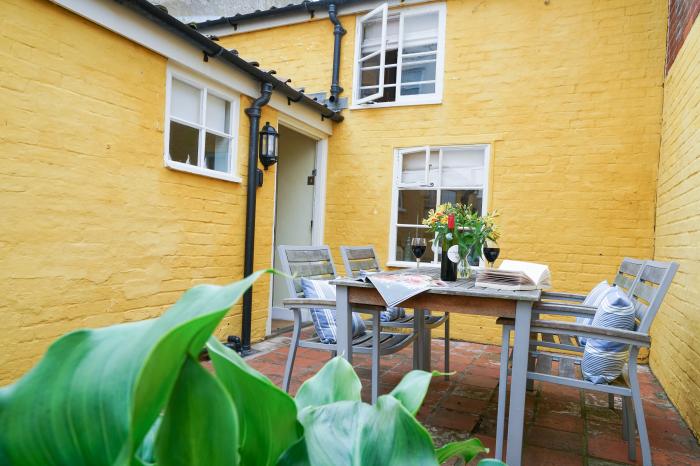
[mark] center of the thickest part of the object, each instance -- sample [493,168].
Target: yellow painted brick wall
[676,330]
[95,230]
[569,94]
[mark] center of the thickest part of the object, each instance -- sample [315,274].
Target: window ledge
[432,101]
[183,167]
[406,264]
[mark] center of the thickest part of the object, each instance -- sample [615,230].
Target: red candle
[451,221]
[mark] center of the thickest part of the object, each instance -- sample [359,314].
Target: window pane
[417,89]
[369,77]
[467,197]
[184,141]
[216,153]
[463,167]
[413,168]
[414,72]
[420,49]
[368,92]
[403,244]
[218,114]
[184,101]
[419,28]
[415,204]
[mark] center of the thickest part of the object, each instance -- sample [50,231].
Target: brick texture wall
[95,230]
[681,17]
[570,96]
[676,331]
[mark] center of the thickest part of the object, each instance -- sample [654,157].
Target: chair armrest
[308,303]
[576,310]
[589,331]
[558,296]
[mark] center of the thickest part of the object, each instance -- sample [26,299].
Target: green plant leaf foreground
[96,393]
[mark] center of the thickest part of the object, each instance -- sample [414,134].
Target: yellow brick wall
[570,96]
[95,230]
[676,330]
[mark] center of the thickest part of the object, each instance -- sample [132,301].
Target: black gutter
[211,50]
[253,113]
[306,6]
[338,33]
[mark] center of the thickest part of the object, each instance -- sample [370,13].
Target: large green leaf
[96,393]
[200,424]
[352,433]
[392,436]
[412,389]
[267,415]
[336,381]
[466,449]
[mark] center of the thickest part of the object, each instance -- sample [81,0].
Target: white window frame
[205,87]
[421,99]
[397,185]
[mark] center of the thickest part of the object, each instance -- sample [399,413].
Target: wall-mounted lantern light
[268,145]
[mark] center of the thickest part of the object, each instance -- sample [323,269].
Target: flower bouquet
[461,233]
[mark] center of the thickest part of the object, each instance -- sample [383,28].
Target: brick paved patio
[564,426]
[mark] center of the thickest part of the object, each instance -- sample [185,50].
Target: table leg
[427,344]
[418,342]
[516,412]
[343,318]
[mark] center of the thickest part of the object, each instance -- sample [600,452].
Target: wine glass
[491,251]
[418,246]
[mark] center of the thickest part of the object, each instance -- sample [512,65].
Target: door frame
[319,203]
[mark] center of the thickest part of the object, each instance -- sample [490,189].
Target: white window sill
[183,167]
[431,101]
[406,264]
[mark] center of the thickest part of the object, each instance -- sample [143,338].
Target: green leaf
[466,449]
[491,462]
[200,424]
[352,433]
[331,435]
[391,436]
[96,393]
[336,381]
[412,389]
[267,415]
[146,451]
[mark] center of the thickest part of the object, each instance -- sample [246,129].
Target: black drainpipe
[254,176]
[338,33]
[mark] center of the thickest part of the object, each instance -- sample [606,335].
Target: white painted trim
[382,10]
[319,204]
[393,220]
[272,22]
[406,264]
[139,29]
[206,86]
[421,99]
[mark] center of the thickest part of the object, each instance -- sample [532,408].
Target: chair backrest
[628,273]
[356,258]
[649,291]
[312,262]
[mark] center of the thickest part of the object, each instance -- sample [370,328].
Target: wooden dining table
[460,297]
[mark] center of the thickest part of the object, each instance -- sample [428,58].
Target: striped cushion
[595,296]
[324,319]
[603,360]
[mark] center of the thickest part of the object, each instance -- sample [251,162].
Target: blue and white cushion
[603,360]
[324,319]
[593,299]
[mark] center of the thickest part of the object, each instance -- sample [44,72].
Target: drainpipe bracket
[341,104]
[318,96]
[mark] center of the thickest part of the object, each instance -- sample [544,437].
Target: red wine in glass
[491,254]
[418,246]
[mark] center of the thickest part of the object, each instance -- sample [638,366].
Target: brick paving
[564,426]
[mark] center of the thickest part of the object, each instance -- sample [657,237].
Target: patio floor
[563,425]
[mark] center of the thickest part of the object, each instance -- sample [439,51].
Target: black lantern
[268,145]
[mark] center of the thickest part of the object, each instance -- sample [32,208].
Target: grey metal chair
[315,262]
[364,258]
[647,291]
